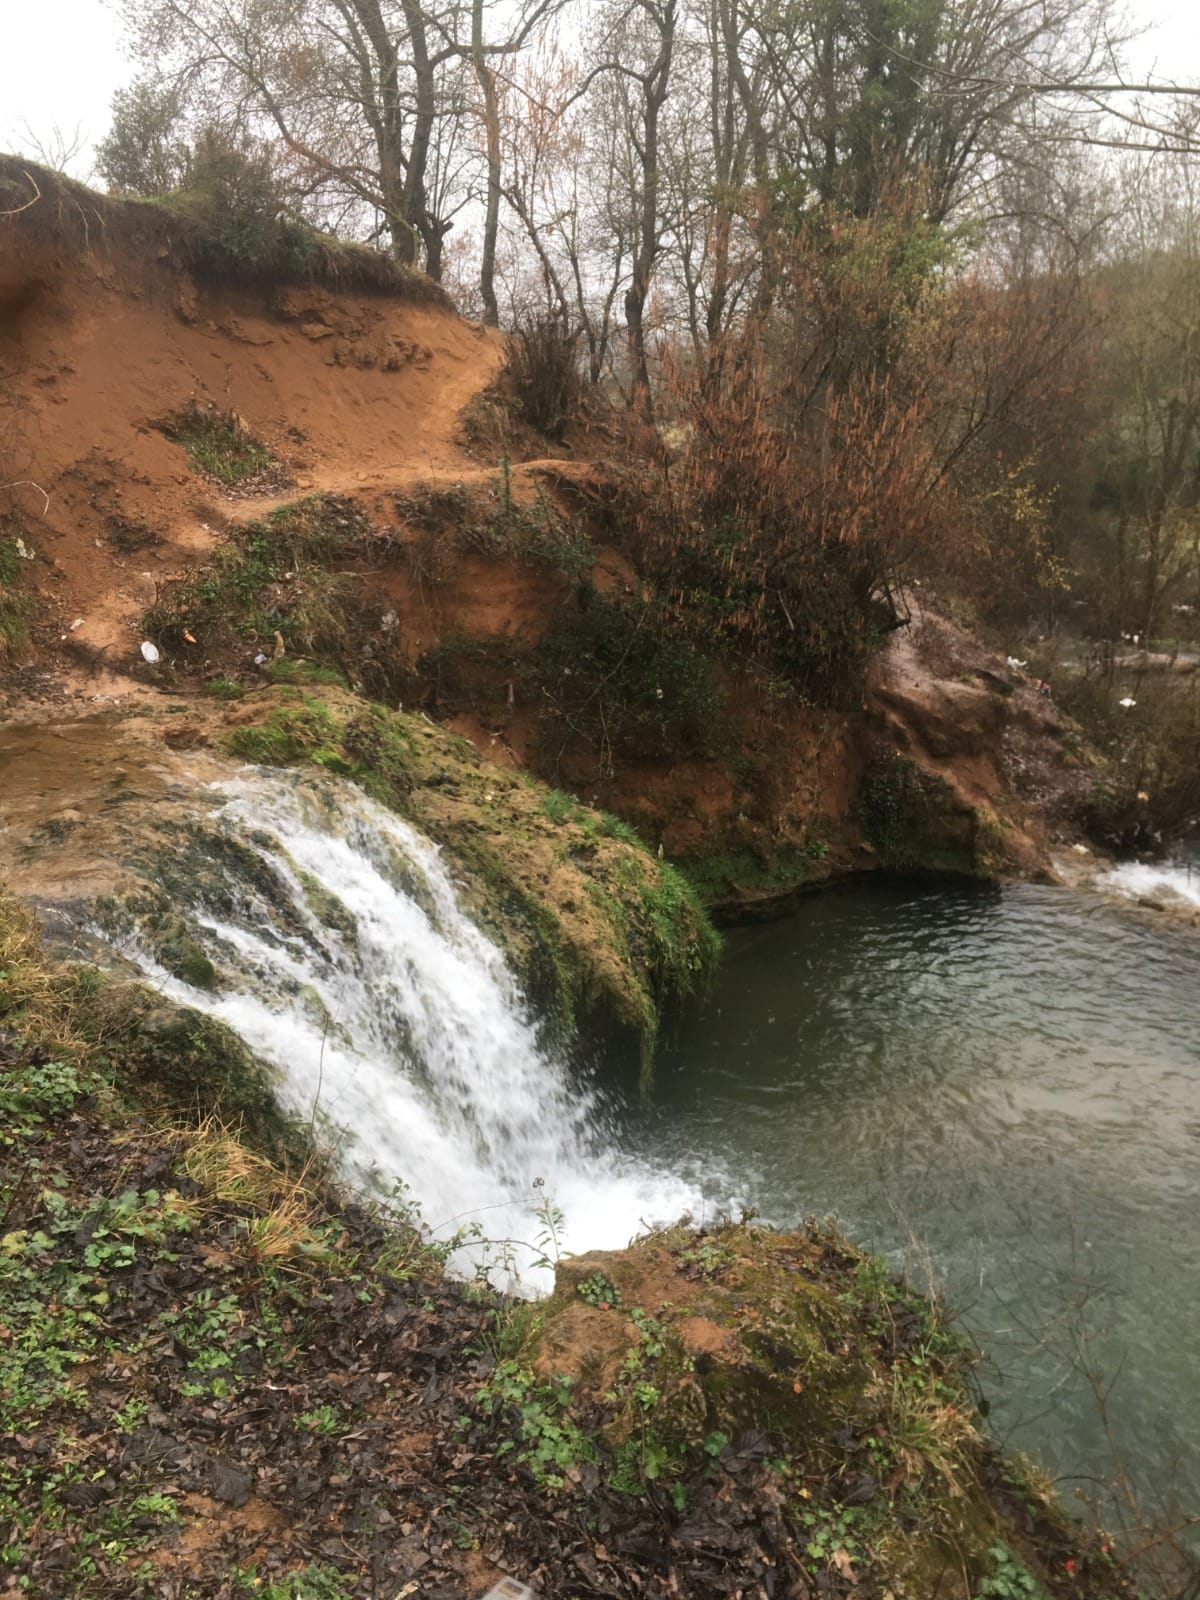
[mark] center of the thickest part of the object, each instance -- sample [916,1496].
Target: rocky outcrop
[1010,768]
[830,1391]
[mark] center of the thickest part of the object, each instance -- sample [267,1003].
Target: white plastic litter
[1128,703]
[510,1589]
[150,652]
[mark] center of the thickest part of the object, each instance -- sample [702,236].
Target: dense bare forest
[909,288]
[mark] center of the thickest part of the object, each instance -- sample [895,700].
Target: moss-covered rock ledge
[591,920]
[790,1415]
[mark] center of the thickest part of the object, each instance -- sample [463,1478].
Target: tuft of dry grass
[927,1432]
[217,1160]
[44,998]
[283,1225]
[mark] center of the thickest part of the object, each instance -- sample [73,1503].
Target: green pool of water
[1003,1084]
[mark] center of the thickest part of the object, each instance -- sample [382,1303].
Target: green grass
[218,443]
[14,607]
[284,575]
[224,689]
[556,806]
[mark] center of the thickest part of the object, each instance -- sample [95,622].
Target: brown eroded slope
[348,391]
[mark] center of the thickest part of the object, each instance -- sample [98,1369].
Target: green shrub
[233,192]
[808,615]
[618,675]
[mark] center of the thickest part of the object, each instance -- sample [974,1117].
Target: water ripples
[1010,1075]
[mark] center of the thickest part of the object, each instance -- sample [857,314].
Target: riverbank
[223,1380]
[218,481]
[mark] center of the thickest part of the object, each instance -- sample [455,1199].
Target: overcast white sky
[62,60]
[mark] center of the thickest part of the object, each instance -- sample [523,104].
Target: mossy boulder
[193,1065]
[591,920]
[798,1363]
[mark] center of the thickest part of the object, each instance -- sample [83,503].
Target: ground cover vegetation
[14,606]
[222,1379]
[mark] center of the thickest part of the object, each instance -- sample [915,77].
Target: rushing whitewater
[1147,880]
[396,1027]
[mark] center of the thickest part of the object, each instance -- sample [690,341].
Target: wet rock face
[82,800]
[114,825]
[987,734]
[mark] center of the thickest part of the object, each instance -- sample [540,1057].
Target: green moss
[195,968]
[14,607]
[725,876]
[913,822]
[589,917]
[328,909]
[190,1062]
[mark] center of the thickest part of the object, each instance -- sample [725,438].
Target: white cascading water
[407,1040]
[1148,880]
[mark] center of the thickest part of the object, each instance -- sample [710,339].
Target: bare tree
[352,90]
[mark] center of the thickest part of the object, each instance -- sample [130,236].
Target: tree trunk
[386,118]
[486,80]
[491,223]
[416,211]
[655,87]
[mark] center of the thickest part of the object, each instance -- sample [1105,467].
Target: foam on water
[1144,881]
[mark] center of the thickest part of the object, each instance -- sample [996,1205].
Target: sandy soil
[352,394]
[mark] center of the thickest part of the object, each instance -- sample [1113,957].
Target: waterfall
[347,963]
[1178,880]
